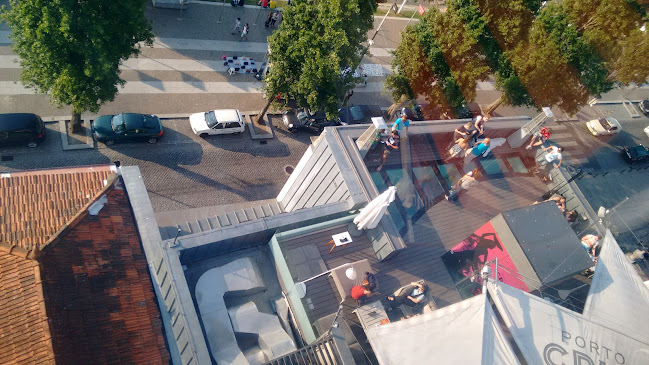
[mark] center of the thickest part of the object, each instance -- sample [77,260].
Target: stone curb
[249,120]
[90,142]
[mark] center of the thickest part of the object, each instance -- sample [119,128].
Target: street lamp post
[221,15]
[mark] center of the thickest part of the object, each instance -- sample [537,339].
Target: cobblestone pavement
[182,170]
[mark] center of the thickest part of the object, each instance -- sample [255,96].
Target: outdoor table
[371,314]
[339,239]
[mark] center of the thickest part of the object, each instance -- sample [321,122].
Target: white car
[604,126]
[646,131]
[224,121]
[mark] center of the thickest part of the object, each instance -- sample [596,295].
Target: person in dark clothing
[412,296]
[269,18]
[466,130]
[392,143]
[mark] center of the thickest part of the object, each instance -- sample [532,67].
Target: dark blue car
[127,127]
[635,154]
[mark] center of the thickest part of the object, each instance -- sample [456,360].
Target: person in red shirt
[360,291]
[540,137]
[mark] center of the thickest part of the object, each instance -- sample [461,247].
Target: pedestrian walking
[237,26]
[274,18]
[269,19]
[244,32]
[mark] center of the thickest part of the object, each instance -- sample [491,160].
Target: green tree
[549,79]
[615,29]
[513,92]
[579,53]
[412,63]
[441,42]
[529,68]
[72,49]
[314,42]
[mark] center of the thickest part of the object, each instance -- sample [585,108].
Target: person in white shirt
[237,26]
[552,154]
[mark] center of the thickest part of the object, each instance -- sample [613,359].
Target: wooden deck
[439,229]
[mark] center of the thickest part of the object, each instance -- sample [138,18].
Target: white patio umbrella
[372,213]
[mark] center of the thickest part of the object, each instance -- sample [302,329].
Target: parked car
[359,114]
[644,107]
[635,154]
[646,131]
[302,119]
[415,114]
[127,127]
[21,128]
[604,126]
[223,121]
[463,112]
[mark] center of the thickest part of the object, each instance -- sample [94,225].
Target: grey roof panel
[548,241]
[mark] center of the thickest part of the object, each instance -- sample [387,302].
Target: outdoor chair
[426,305]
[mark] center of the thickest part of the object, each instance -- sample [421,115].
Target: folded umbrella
[371,214]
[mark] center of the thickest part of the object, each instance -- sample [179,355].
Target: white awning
[618,298]
[463,333]
[547,333]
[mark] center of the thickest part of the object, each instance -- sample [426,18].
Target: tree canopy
[72,49]
[442,61]
[554,54]
[314,43]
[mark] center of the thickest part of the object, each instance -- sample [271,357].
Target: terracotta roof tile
[37,204]
[103,305]
[24,331]
[92,282]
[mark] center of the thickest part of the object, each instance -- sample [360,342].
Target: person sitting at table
[362,291]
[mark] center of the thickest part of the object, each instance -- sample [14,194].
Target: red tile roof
[24,331]
[99,293]
[37,204]
[95,303]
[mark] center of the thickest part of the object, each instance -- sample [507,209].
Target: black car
[302,119]
[21,128]
[127,127]
[635,154]
[463,112]
[359,114]
[644,107]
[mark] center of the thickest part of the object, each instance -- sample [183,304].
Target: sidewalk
[210,21]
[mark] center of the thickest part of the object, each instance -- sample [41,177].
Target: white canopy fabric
[618,298]
[547,333]
[371,214]
[463,333]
